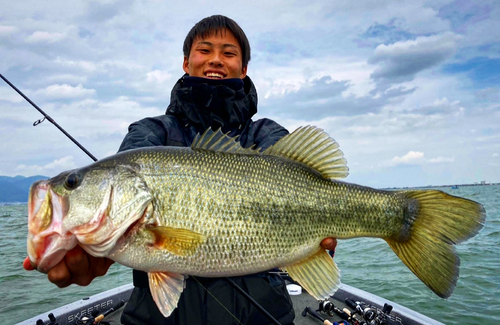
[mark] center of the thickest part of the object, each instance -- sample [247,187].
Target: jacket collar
[204,103]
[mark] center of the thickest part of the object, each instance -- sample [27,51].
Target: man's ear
[185,65]
[243,72]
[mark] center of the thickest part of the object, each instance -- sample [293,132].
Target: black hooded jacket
[197,104]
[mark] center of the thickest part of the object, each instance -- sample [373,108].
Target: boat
[348,304]
[454,187]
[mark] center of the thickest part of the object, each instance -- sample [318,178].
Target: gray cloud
[100,12]
[323,97]
[402,60]
[462,14]
[65,91]
[386,34]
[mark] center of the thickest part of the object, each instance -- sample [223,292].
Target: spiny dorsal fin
[314,148]
[218,141]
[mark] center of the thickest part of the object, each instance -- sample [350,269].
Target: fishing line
[220,303]
[47,117]
[255,303]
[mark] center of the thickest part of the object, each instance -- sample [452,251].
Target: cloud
[464,14]
[158,76]
[444,102]
[322,97]
[49,169]
[7,30]
[386,34]
[6,93]
[66,91]
[401,61]
[411,157]
[316,98]
[102,118]
[416,158]
[99,11]
[107,69]
[66,77]
[85,65]
[439,160]
[45,37]
[488,93]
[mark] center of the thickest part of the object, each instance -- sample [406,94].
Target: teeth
[214,75]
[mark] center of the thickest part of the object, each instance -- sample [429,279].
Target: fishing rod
[47,117]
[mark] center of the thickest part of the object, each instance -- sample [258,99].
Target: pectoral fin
[166,289]
[178,241]
[318,274]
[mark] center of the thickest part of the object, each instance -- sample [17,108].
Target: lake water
[366,263]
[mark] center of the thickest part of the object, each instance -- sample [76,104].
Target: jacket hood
[225,103]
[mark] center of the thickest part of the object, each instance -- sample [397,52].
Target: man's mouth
[214,75]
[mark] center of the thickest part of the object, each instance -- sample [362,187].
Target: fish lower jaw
[47,250]
[47,262]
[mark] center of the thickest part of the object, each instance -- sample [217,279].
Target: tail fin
[442,221]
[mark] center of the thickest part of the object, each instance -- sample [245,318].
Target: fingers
[78,268]
[329,243]
[100,265]
[74,268]
[59,275]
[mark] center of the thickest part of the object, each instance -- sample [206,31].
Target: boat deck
[104,301]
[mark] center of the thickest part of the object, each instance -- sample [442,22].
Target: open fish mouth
[47,240]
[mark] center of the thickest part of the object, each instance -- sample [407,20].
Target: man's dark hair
[215,24]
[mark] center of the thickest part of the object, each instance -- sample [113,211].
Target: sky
[409,89]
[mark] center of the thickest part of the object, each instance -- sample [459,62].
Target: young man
[215,92]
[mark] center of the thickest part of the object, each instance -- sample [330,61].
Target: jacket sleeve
[147,132]
[266,132]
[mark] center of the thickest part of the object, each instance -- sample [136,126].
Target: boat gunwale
[67,314]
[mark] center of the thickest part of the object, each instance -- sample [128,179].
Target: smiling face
[216,56]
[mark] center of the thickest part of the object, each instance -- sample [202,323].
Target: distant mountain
[16,189]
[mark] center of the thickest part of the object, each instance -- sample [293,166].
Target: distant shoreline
[13,203]
[434,186]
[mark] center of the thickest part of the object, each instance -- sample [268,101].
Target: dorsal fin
[314,148]
[308,145]
[218,141]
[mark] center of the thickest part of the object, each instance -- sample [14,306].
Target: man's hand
[329,243]
[77,267]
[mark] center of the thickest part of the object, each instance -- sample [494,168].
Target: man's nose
[216,59]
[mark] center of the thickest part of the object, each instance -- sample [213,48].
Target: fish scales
[256,211]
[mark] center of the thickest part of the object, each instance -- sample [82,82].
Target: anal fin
[318,274]
[166,289]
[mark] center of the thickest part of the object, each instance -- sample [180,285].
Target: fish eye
[72,181]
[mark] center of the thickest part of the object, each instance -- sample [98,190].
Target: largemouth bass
[217,209]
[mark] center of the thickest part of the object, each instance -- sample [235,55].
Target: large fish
[217,209]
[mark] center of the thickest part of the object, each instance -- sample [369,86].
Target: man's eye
[230,54]
[204,51]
